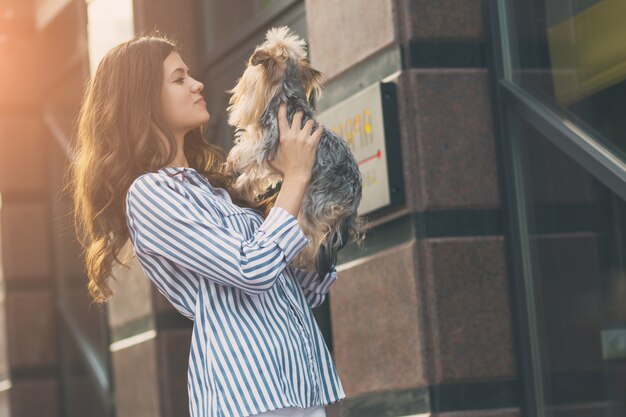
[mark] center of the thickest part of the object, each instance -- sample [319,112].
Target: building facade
[495,288]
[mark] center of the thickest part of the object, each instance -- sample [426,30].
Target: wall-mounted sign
[368,121]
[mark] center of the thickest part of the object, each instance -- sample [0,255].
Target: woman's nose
[198,87]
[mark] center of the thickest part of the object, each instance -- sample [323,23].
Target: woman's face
[183,107]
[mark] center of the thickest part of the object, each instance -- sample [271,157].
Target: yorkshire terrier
[278,72]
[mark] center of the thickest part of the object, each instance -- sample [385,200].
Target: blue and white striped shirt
[255,343]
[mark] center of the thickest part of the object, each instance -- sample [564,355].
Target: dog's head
[282,54]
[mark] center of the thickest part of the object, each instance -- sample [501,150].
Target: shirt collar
[187,173]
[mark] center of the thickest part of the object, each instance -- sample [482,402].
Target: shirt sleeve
[314,288]
[165,221]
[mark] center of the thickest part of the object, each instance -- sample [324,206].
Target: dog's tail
[349,229]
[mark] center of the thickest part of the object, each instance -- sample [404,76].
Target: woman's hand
[297,146]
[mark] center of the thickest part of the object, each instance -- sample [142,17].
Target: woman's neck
[180,160]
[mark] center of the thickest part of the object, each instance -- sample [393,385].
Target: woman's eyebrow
[183,70]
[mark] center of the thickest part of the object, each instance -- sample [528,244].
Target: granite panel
[135,371]
[31,329]
[25,238]
[342,34]
[376,321]
[21,146]
[23,65]
[467,289]
[455,20]
[132,291]
[456,154]
[45,391]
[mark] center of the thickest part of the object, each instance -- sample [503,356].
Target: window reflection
[577,238]
[573,53]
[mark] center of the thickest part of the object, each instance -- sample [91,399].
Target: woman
[143,171]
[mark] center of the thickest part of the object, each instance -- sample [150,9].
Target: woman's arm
[314,288]
[291,194]
[165,222]
[295,157]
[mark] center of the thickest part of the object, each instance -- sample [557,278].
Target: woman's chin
[204,118]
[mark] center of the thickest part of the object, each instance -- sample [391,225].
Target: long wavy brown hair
[117,140]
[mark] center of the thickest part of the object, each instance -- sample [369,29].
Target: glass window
[573,53]
[577,241]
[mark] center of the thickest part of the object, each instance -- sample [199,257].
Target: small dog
[278,72]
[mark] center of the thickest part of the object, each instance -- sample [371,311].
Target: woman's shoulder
[153,182]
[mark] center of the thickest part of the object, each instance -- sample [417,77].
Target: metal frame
[499,60]
[576,141]
[512,104]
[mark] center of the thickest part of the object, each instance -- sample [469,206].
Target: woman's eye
[180,80]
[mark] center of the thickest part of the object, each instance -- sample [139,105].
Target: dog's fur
[278,72]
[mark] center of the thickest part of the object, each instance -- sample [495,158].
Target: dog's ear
[312,79]
[261,57]
[268,61]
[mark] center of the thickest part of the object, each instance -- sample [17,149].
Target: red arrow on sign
[378,154]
